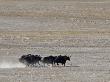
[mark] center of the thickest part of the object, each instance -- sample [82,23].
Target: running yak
[30,60]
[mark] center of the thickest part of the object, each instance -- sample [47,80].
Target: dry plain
[80,28]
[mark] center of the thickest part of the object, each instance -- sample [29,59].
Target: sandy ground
[87,65]
[80,28]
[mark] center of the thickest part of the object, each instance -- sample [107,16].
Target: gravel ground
[79,28]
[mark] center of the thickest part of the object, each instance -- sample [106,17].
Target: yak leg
[64,64]
[38,63]
[53,64]
[57,64]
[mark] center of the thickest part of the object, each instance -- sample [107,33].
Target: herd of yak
[33,60]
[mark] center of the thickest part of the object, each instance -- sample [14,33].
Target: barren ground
[80,28]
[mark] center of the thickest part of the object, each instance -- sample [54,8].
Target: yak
[49,60]
[61,59]
[30,60]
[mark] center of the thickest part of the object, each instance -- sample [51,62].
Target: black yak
[30,60]
[49,60]
[62,59]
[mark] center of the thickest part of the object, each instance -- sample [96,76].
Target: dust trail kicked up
[6,64]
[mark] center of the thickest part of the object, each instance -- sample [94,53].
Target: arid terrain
[77,28]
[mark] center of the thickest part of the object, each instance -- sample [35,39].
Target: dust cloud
[6,64]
